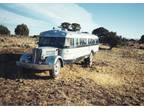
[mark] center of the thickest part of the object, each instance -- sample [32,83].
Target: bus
[57,48]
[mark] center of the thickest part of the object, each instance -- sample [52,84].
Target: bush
[107,37]
[124,41]
[132,53]
[4,30]
[141,46]
[101,31]
[112,39]
[141,39]
[22,30]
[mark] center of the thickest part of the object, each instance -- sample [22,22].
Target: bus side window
[67,43]
[93,42]
[71,42]
[97,41]
[81,42]
[89,41]
[77,42]
[85,42]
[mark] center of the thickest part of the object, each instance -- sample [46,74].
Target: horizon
[125,19]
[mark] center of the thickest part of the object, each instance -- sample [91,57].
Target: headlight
[25,58]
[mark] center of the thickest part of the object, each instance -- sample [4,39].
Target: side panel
[74,53]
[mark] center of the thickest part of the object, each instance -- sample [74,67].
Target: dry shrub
[17,42]
[132,53]
[2,40]
[129,53]
[141,46]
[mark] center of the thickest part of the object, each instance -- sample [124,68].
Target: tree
[4,30]
[22,29]
[101,32]
[65,25]
[112,39]
[141,39]
[107,37]
[124,41]
[75,27]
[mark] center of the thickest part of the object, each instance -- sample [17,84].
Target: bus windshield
[58,42]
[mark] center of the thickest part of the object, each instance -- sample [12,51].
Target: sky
[125,19]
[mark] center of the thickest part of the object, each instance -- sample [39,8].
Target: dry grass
[116,78]
[17,42]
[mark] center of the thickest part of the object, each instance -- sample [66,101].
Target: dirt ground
[116,78]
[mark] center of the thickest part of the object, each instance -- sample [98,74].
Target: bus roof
[62,33]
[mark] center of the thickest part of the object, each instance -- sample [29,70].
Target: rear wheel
[88,61]
[56,69]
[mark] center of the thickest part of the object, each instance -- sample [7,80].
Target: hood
[48,51]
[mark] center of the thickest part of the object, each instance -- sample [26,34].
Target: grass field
[116,78]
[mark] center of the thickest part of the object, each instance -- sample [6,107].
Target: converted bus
[57,48]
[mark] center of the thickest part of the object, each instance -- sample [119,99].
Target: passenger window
[77,42]
[97,41]
[83,42]
[69,42]
[91,41]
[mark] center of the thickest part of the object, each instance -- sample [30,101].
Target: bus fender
[51,60]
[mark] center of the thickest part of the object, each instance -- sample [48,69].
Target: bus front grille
[37,55]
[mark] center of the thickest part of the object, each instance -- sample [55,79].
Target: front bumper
[34,66]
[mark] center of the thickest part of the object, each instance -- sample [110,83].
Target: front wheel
[56,69]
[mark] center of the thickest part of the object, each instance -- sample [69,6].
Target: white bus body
[56,47]
[74,52]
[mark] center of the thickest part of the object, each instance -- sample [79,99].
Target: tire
[20,72]
[23,70]
[88,61]
[56,69]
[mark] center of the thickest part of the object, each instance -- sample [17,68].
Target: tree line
[105,36]
[21,29]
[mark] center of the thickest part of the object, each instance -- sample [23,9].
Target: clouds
[40,17]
